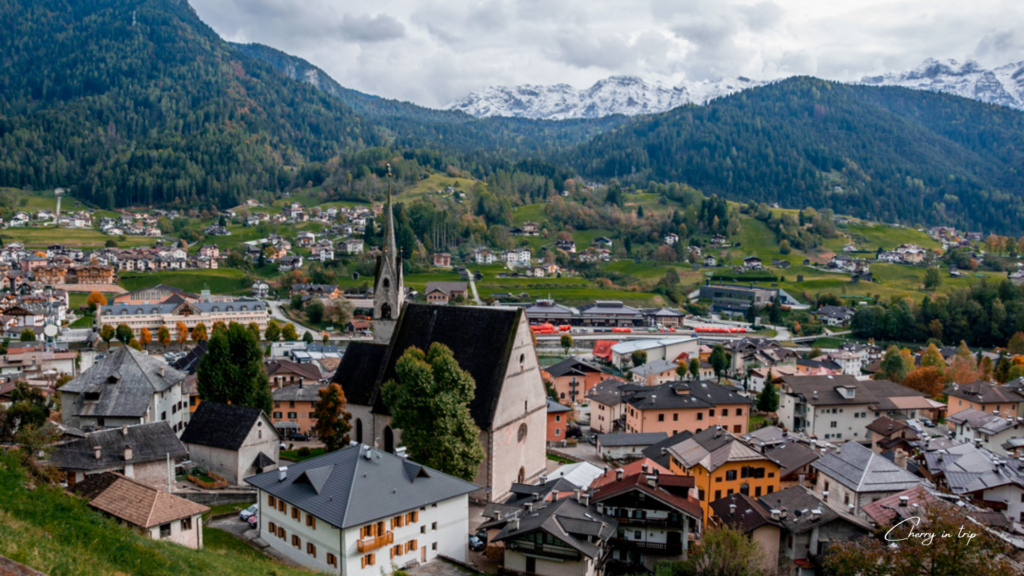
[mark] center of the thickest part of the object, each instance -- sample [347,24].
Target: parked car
[927,422]
[476,544]
[300,437]
[253,521]
[482,535]
[249,512]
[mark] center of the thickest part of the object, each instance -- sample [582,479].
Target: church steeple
[389,290]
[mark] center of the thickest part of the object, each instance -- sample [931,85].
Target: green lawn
[77,237]
[60,535]
[436,182]
[827,342]
[887,237]
[219,281]
[225,508]
[531,213]
[83,322]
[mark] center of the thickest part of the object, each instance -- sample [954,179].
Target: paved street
[274,307]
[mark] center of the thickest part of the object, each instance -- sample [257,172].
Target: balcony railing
[373,542]
[543,550]
[670,522]
[643,546]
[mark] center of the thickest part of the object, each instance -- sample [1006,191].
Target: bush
[305,451]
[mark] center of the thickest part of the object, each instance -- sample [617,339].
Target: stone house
[138,452]
[232,441]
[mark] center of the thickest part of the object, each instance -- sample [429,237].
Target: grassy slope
[220,281]
[60,536]
[87,239]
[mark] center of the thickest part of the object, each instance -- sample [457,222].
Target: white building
[362,511]
[125,388]
[853,476]
[232,441]
[989,431]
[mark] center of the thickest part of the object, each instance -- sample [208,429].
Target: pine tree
[231,370]
[768,399]
[429,401]
[718,360]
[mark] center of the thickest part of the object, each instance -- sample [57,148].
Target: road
[274,306]
[472,287]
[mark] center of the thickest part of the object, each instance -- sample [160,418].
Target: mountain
[632,96]
[139,102]
[885,153]
[1003,85]
[627,95]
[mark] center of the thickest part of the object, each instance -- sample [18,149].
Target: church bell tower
[388,289]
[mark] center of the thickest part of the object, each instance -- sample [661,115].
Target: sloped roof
[865,391]
[638,439]
[634,467]
[309,371]
[480,338]
[800,505]
[885,510]
[862,470]
[125,380]
[222,426]
[747,516]
[134,502]
[713,447]
[640,482]
[658,452]
[612,392]
[581,474]
[346,489]
[357,372]
[554,407]
[298,393]
[791,456]
[567,520]
[571,366]
[984,392]
[149,442]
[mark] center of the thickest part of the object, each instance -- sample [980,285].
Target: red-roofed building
[642,466]
[899,506]
[603,349]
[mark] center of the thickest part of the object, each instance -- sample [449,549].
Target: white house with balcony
[362,511]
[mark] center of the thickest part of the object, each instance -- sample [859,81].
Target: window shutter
[414,545]
[373,559]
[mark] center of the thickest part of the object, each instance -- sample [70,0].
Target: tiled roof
[742,512]
[884,510]
[791,456]
[149,442]
[571,366]
[135,502]
[640,439]
[554,407]
[280,367]
[984,392]
[125,380]
[862,470]
[865,391]
[346,489]
[658,452]
[642,483]
[567,520]
[222,426]
[298,393]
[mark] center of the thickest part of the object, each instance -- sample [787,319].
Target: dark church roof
[481,340]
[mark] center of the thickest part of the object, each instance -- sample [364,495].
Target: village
[611,437]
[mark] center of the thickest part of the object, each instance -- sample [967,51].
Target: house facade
[232,441]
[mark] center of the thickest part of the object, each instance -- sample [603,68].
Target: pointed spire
[390,247]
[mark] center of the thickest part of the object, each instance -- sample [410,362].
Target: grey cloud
[366,28]
[585,49]
[1003,43]
[762,16]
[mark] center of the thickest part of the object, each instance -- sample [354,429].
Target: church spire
[390,246]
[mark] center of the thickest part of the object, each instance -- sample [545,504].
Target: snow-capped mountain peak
[631,95]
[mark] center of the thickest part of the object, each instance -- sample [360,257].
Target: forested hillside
[139,102]
[886,153]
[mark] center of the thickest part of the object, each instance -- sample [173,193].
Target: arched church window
[385,310]
[522,432]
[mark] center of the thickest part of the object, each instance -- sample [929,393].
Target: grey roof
[658,452]
[686,394]
[654,367]
[766,435]
[641,439]
[799,504]
[262,461]
[713,447]
[556,407]
[791,456]
[862,470]
[345,489]
[571,365]
[202,307]
[567,520]
[612,392]
[865,391]
[446,287]
[189,363]
[984,392]
[149,442]
[297,393]
[222,426]
[125,380]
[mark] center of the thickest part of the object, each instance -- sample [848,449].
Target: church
[493,344]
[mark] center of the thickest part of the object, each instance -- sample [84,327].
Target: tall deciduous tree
[429,402]
[768,399]
[892,367]
[639,357]
[333,423]
[124,334]
[199,333]
[96,299]
[722,552]
[231,370]
[107,334]
[1016,344]
[145,337]
[932,358]
[182,335]
[163,335]
[926,379]
[695,368]
[566,342]
[273,331]
[289,333]
[718,360]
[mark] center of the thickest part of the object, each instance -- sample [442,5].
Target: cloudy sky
[434,51]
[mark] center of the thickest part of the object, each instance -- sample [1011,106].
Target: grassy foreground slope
[59,535]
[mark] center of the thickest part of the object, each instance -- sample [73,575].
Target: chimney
[839,449]
[528,507]
[513,524]
[536,496]
[282,473]
[543,479]
[904,501]
[732,509]
[802,477]
[127,453]
[901,459]
[96,452]
[643,468]
[824,495]
[600,508]
[782,512]
[554,496]
[652,481]
[815,514]
[776,514]
[618,473]
[162,370]
[586,495]
[124,430]
[578,499]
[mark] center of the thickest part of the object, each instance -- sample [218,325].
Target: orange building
[572,378]
[283,373]
[558,419]
[293,409]
[690,405]
[721,465]
[983,396]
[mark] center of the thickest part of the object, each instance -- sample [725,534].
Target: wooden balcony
[373,542]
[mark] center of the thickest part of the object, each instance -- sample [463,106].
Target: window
[423,529]
[433,526]
[311,521]
[711,413]
[736,428]
[661,417]
[434,545]
[277,414]
[296,541]
[165,530]
[311,549]
[558,431]
[522,432]
[293,414]
[771,489]
[675,418]
[739,411]
[637,535]
[718,494]
[186,524]
[730,475]
[833,424]
[281,506]
[368,560]
[296,515]
[332,560]
[272,527]
[412,517]
[558,417]
[281,533]
[757,491]
[700,415]
[271,501]
[396,550]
